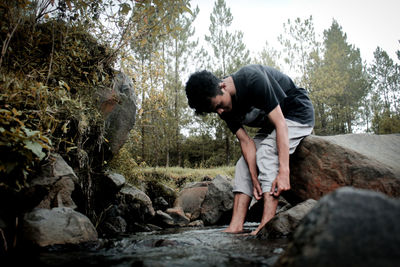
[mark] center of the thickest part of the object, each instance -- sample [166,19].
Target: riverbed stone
[57,226]
[135,206]
[218,202]
[197,223]
[114,180]
[190,199]
[58,179]
[159,203]
[285,222]
[163,219]
[349,227]
[114,226]
[177,213]
[155,189]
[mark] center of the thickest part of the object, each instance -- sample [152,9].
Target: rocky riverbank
[319,167]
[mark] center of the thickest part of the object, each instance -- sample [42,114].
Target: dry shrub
[48,75]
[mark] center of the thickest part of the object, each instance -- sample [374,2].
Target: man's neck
[230,85]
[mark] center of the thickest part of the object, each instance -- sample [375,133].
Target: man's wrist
[284,170]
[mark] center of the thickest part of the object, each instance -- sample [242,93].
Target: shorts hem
[241,191]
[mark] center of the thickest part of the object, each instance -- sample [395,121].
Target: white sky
[367,23]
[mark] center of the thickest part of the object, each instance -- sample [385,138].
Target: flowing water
[205,246]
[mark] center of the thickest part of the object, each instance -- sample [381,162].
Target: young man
[256,96]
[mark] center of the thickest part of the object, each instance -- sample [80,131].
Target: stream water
[205,246]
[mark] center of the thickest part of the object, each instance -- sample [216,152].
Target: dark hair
[200,88]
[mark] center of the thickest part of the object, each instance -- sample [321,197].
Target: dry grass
[176,177]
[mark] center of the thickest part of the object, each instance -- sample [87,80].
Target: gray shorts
[267,158]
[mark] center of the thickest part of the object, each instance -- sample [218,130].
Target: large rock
[349,227]
[323,164]
[118,106]
[218,202]
[383,148]
[58,226]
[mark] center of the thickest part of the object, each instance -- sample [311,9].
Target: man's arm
[282,180]
[249,154]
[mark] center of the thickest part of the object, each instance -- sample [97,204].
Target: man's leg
[270,205]
[240,205]
[243,190]
[268,165]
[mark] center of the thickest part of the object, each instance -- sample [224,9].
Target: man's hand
[257,192]
[280,184]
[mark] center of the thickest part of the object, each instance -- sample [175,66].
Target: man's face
[222,103]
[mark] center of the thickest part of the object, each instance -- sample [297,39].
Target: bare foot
[255,232]
[232,230]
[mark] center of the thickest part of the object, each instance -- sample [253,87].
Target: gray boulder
[57,226]
[349,227]
[218,202]
[114,226]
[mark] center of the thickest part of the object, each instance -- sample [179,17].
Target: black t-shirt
[259,89]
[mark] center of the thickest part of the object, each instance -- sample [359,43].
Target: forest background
[154,43]
[348,94]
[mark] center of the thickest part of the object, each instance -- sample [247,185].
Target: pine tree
[300,47]
[178,49]
[385,76]
[146,62]
[268,57]
[230,54]
[343,81]
[229,50]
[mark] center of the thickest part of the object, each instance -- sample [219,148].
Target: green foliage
[343,79]
[21,148]
[386,123]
